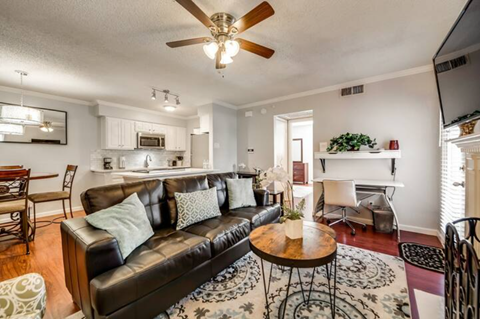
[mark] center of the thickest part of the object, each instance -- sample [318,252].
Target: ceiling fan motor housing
[223,21]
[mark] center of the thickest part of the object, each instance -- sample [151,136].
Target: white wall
[224,138]
[82,139]
[406,109]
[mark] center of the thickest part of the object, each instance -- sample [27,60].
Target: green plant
[350,142]
[293,214]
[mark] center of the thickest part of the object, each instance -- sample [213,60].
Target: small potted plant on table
[350,142]
[293,219]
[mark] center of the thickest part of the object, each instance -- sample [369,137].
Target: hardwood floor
[46,259]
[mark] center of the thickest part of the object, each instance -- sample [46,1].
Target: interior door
[199,149]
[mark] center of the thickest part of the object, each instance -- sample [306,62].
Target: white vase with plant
[293,219]
[292,215]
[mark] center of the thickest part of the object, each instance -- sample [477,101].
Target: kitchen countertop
[154,174]
[153,168]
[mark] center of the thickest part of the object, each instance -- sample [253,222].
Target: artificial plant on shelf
[350,142]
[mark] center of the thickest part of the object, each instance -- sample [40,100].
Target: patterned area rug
[427,257]
[369,285]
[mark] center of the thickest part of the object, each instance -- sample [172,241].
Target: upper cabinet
[205,123]
[117,134]
[150,128]
[176,139]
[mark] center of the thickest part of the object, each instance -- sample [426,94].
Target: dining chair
[342,193]
[11,167]
[14,201]
[63,195]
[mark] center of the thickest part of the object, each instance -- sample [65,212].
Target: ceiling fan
[223,45]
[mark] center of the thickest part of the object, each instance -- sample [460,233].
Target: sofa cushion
[240,193]
[151,194]
[220,182]
[127,222]
[167,255]
[182,185]
[195,207]
[223,232]
[258,216]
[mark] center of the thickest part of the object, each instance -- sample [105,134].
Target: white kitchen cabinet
[150,128]
[117,134]
[176,138]
[205,123]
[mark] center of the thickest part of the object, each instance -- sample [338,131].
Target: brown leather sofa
[167,267]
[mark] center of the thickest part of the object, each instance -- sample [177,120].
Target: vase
[294,228]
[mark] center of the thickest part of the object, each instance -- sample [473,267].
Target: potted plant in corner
[293,219]
[350,142]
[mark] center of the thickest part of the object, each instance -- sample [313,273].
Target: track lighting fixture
[168,106]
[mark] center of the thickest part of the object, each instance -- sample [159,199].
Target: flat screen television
[457,68]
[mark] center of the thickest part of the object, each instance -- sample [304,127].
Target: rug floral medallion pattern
[369,285]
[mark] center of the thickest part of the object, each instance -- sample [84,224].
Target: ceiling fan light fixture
[226,59]
[232,47]
[169,108]
[211,49]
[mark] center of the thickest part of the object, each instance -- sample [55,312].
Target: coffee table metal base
[330,269]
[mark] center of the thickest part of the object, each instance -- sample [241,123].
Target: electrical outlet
[251,151]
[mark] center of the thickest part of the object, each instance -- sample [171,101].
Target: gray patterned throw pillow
[196,207]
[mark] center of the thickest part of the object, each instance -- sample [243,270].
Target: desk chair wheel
[328,221]
[353,232]
[364,227]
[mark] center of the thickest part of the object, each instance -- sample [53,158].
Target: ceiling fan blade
[256,48]
[218,65]
[182,43]
[263,11]
[191,7]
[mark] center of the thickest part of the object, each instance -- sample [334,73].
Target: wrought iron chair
[63,195]
[14,201]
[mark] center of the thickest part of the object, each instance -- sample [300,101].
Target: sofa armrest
[262,197]
[87,253]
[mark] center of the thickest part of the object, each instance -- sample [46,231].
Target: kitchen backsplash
[135,159]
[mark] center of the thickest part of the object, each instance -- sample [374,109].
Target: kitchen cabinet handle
[456,184]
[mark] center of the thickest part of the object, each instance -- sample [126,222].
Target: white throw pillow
[240,193]
[197,206]
[127,222]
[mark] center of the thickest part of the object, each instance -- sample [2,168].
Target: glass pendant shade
[169,108]
[11,129]
[226,59]
[211,49]
[16,114]
[232,47]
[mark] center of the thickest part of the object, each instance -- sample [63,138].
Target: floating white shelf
[384,154]
[359,155]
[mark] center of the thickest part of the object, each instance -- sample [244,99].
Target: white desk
[373,187]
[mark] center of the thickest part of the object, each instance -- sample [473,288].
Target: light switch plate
[249,114]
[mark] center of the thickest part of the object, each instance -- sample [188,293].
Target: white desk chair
[342,194]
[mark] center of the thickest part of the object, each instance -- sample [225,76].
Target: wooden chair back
[69,177]
[14,185]
[5,167]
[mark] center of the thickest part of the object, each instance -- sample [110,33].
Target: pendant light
[19,114]
[11,129]
[232,48]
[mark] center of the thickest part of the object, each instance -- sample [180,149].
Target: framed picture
[297,150]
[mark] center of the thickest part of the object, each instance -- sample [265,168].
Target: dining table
[38,176]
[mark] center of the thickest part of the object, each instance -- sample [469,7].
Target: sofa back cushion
[182,185]
[220,182]
[151,193]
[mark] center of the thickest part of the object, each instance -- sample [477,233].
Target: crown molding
[373,79]
[46,96]
[139,109]
[225,104]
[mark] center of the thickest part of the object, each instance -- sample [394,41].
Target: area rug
[369,285]
[429,305]
[427,257]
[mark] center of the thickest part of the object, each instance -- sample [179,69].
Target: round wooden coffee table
[317,248]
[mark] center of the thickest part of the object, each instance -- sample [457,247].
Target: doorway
[293,148]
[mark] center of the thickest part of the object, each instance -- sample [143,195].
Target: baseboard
[413,229]
[6,218]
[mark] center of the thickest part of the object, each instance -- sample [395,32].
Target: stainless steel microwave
[150,141]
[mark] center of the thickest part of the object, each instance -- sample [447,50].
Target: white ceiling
[114,50]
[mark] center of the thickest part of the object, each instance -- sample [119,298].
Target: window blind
[452,198]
